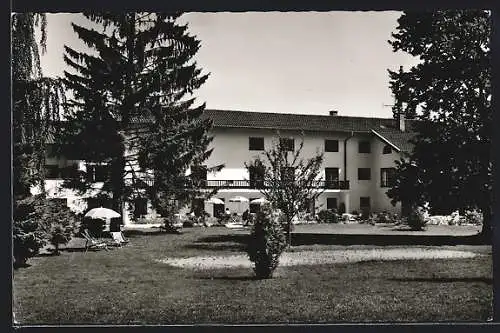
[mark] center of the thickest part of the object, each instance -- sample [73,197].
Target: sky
[285,62]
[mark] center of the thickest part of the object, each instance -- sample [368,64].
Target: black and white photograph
[240,168]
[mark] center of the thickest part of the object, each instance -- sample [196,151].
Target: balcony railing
[246,184]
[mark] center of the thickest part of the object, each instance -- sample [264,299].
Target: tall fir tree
[133,106]
[449,92]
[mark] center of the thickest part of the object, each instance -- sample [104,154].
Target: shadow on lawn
[346,239]
[234,242]
[445,280]
[229,278]
[239,241]
[217,247]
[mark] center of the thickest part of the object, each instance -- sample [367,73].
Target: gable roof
[397,139]
[385,128]
[288,121]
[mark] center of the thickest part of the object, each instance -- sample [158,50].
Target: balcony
[246,184]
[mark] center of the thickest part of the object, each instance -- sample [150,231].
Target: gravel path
[319,257]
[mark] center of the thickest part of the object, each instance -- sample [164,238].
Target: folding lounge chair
[124,240]
[92,243]
[118,238]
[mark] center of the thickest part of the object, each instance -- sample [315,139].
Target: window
[52,172]
[331,177]
[364,147]
[255,143]
[331,203]
[287,143]
[387,149]
[98,202]
[364,202]
[140,207]
[331,145]
[387,176]
[70,172]
[364,174]
[97,173]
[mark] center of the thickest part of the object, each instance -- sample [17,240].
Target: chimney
[402,122]
[334,112]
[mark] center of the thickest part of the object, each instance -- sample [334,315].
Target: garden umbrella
[215,201]
[102,213]
[240,201]
[259,201]
[238,198]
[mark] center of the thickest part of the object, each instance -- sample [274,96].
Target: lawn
[128,286]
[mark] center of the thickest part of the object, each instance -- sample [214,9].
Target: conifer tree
[133,106]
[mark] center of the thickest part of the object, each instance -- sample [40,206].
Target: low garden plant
[416,220]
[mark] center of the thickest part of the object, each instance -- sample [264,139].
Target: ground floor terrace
[235,195]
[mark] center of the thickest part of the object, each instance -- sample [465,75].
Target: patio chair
[92,243]
[118,238]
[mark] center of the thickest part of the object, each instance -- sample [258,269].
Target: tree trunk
[56,249]
[117,180]
[289,235]
[406,209]
[486,231]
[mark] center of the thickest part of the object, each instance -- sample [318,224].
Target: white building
[359,156]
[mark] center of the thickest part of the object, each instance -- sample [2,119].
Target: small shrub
[328,216]
[365,213]
[416,219]
[188,224]
[267,242]
[383,217]
[474,217]
[28,233]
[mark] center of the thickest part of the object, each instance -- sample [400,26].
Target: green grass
[126,286]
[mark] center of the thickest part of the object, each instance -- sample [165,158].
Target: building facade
[357,171]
